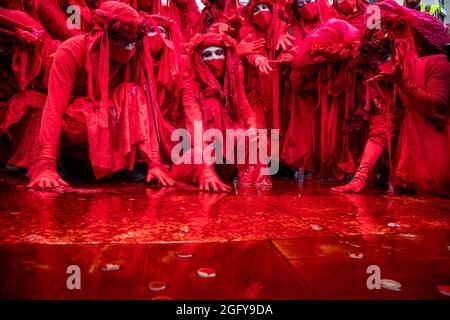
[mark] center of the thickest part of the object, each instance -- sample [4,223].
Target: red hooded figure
[301,148]
[93,113]
[165,43]
[352,11]
[26,55]
[225,11]
[186,14]
[261,70]
[327,52]
[213,96]
[408,101]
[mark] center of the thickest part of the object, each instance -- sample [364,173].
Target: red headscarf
[190,13]
[324,13]
[170,59]
[229,93]
[356,18]
[405,22]
[111,18]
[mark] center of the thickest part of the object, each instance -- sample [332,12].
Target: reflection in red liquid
[261,242]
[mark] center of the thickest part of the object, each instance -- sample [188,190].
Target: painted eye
[219,52]
[206,54]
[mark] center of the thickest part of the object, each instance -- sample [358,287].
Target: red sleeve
[433,100]
[243,33]
[246,110]
[67,62]
[54,20]
[191,105]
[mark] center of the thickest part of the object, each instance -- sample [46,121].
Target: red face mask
[347,6]
[217,67]
[156,45]
[155,41]
[214,58]
[121,54]
[309,11]
[262,19]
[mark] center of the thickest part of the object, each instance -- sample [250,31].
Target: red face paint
[309,11]
[347,6]
[262,19]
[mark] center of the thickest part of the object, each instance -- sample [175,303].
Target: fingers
[166,181]
[223,187]
[214,186]
[260,41]
[376,78]
[32,184]
[291,38]
[150,177]
[62,182]
[279,44]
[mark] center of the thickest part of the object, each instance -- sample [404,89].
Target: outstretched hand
[159,174]
[209,181]
[248,47]
[262,63]
[47,180]
[285,41]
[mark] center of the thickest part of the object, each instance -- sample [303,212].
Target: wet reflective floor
[292,241]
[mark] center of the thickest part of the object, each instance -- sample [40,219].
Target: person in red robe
[301,143]
[186,14]
[225,11]
[261,22]
[352,11]
[213,95]
[95,112]
[409,102]
[166,46]
[326,53]
[26,56]
[55,15]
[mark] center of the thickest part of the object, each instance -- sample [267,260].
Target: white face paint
[130,46]
[154,33]
[301,3]
[213,53]
[261,7]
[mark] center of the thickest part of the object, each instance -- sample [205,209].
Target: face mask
[122,54]
[347,6]
[262,16]
[156,43]
[214,58]
[307,9]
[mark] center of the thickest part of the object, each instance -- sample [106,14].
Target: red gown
[421,155]
[113,133]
